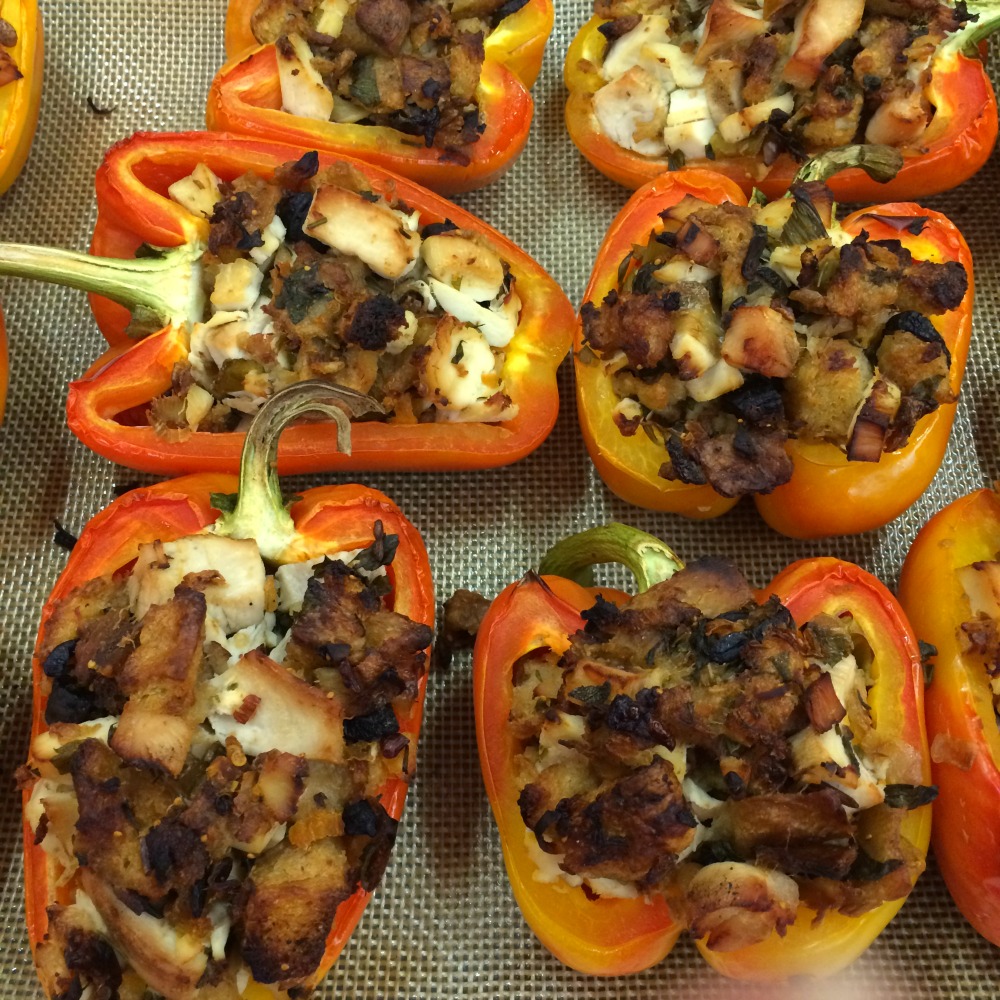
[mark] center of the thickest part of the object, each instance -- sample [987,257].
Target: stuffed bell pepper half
[20,84]
[285,265]
[437,92]
[225,721]
[767,349]
[753,88]
[950,588]
[749,766]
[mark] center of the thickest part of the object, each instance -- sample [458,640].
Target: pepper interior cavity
[695,744]
[725,79]
[734,329]
[312,275]
[219,732]
[413,67]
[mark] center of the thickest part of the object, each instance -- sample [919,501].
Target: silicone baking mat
[444,923]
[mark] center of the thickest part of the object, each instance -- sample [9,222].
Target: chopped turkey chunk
[235,594]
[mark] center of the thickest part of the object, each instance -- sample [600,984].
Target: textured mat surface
[444,923]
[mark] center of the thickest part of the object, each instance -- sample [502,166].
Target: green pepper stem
[881,163]
[649,560]
[968,37]
[159,290]
[260,510]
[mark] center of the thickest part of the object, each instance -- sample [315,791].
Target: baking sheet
[444,923]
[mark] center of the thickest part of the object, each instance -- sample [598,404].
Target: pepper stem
[649,560]
[160,290]
[966,40]
[260,510]
[881,163]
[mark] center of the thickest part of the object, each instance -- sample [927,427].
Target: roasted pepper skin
[341,516]
[618,936]
[245,97]
[21,99]
[960,704]
[827,494]
[133,208]
[957,143]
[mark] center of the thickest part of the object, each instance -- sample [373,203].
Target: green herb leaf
[804,224]
[300,291]
[225,502]
[909,796]
[927,654]
[592,694]
[364,86]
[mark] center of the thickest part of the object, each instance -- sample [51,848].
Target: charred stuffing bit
[463,614]
[8,34]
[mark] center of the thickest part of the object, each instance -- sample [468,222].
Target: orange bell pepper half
[827,494]
[615,936]
[961,721]
[21,94]
[133,208]
[245,97]
[321,520]
[956,144]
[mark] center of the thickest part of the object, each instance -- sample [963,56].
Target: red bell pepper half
[959,544]
[828,494]
[106,407]
[601,934]
[326,520]
[245,97]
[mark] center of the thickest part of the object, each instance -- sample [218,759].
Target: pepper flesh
[956,144]
[133,209]
[827,494]
[322,520]
[960,710]
[245,98]
[20,99]
[606,936]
